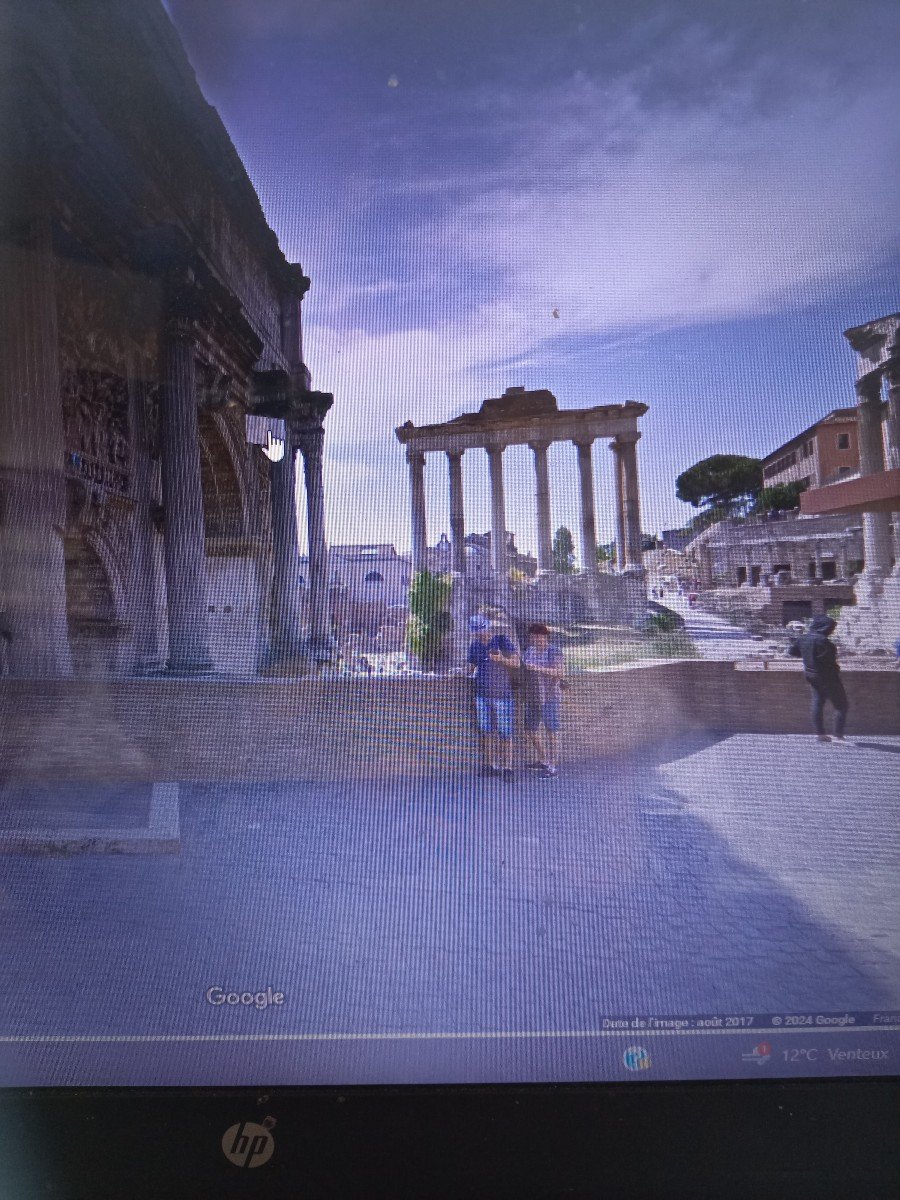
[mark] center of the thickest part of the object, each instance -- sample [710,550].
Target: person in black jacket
[6,637]
[820,666]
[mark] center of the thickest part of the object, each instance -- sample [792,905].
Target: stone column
[311,443]
[876,525]
[416,460]
[588,518]
[32,450]
[621,549]
[184,538]
[632,501]
[142,582]
[498,510]
[892,443]
[286,641]
[892,447]
[542,496]
[457,511]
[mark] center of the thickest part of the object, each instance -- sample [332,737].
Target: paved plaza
[732,875]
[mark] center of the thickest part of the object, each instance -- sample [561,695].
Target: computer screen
[449,576]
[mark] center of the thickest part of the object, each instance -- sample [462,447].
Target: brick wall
[350,731]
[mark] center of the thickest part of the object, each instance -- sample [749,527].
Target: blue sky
[706,193]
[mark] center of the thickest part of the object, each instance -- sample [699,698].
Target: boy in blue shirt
[544,670]
[492,657]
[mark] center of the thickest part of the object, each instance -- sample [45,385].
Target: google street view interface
[449,586]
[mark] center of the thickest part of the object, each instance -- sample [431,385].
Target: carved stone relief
[95,421]
[101,343]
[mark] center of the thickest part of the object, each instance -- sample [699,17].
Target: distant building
[439,558]
[825,452]
[780,568]
[479,557]
[676,539]
[796,565]
[763,550]
[665,567]
[368,573]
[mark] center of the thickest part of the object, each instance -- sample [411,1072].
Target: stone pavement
[714,637]
[64,818]
[742,874]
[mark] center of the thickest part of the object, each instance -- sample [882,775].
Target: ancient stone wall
[355,731]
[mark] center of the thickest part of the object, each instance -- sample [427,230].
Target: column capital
[285,396]
[868,388]
[540,445]
[309,442]
[415,458]
[453,454]
[180,327]
[892,371]
[586,440]
[625,439]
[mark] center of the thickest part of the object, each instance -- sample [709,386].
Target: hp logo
[248,1145]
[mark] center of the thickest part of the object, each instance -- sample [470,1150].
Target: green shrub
[430,620]
[662,623]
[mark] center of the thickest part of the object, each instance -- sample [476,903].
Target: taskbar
[627,1047]
[781,1044]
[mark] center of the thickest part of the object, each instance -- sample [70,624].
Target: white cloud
[700,218]
[622,217]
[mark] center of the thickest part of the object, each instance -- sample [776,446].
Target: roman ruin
[534,419]
[151,340]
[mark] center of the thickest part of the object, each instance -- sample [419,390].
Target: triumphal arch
[534,419]
[151,340]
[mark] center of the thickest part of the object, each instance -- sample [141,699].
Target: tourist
[6,637]
[544,669]
[492,656]
[820,666]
